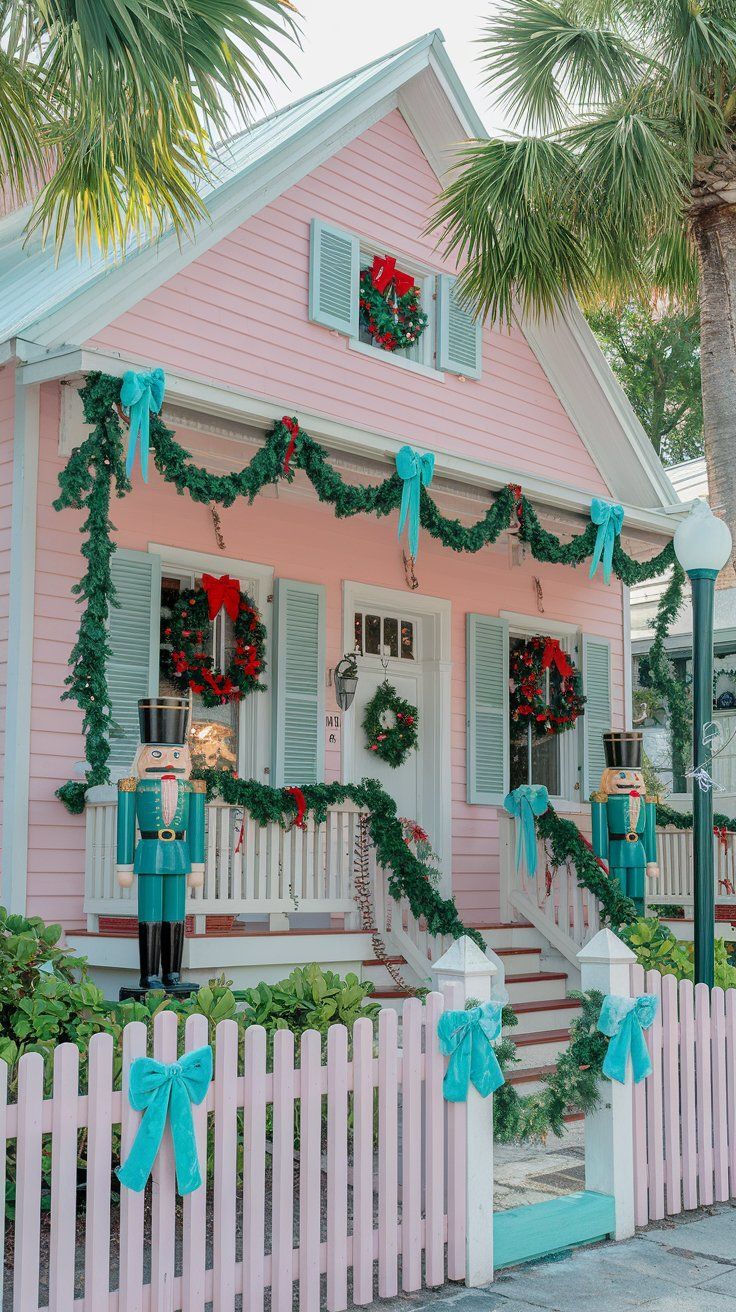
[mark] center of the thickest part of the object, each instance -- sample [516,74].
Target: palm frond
[20,126]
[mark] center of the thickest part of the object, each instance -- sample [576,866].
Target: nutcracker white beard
[169,797]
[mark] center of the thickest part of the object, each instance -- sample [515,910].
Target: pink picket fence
[685,1112]
[366,1205]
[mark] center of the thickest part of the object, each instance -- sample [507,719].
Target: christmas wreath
[527,670]
[390,725]
[389,305]
[188,632]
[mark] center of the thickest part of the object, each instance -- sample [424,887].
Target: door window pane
[390,637]
[407,640]
[373,635]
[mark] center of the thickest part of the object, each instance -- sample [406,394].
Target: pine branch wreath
[392,741]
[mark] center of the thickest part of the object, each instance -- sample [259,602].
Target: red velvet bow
[721,834]
[293,427]
[301,805]
[222,592]
[554,655]
[384,272]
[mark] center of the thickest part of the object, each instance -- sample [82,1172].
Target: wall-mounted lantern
[346,680]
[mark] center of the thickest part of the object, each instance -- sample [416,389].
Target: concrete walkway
[687,1265]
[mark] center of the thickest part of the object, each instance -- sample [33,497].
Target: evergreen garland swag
[189,662]
[391,741]
[97,468]
[393,321]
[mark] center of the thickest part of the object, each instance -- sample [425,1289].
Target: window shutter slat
[334,276]
[299,681]
[597,717]
[459,335]
[488,708]
[133,629]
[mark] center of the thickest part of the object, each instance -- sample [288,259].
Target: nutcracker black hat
[164,720]
[623,749]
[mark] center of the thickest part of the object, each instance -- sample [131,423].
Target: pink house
[256,317]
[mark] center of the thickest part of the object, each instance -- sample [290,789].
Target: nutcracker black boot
[149,947]
[172,949]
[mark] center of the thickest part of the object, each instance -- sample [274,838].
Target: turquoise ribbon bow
[524,803]
[609,518]
[140,396]
[415,468]
[466,1037]
[161,1091]
[624,1021]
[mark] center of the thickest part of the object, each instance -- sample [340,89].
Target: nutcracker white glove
[195,878]
[124,876]
[652,870]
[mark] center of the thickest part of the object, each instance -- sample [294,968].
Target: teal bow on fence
[466,1037]
[160,1091]
[415,468]
[140,396]
[609,518]
[524,803]
[624,1021]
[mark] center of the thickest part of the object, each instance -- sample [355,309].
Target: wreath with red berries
[393,319]
[189,632]
[528,666]
[391,725]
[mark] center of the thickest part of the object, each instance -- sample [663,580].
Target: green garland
[408,876]
[661,675]
[666,815]
[566,843]
[391,742]
[87,481]
[574,1082]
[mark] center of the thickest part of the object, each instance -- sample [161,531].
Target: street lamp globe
[702,541]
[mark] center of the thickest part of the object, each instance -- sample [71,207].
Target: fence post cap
[605,946]
[464,957]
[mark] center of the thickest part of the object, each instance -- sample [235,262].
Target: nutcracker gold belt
[165,835]
[633,837]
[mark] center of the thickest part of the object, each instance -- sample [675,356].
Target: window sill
[412,365]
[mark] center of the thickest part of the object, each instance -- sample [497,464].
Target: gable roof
[53,306]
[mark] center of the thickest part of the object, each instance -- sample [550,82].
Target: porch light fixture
[703,545]
[346,680]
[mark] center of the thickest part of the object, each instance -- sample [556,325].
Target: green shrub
[657,948]
[308,999]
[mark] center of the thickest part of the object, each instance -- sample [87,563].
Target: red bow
[554,655]
[222,592]
[293,427]
[721,834]
[301,805]
[384,272]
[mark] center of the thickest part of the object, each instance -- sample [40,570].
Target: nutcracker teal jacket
[611,824]
[140,799]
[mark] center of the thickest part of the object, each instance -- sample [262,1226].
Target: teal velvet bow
[609,518]
[415,468]
[524,803]
[160,1091]
[141,395]
[624,1021]
[466,1037]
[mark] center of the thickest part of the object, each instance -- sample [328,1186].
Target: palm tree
[109,108]
[624,179]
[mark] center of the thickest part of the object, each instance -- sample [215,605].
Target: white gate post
[464,964]
[605,965]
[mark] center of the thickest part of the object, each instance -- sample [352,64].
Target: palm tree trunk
[714,230]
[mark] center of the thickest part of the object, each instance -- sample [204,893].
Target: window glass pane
[358,641]
[390,637]
[519,754]
[407,640]
[373,635]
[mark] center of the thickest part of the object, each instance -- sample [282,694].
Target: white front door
[409,636]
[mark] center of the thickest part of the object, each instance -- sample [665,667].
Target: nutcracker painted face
[618,782]
[157,759]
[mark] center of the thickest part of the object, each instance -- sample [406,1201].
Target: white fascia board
[223,401]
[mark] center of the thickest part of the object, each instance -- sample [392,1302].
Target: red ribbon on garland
[301,805]
[721,834]
[222,592]
[293,427]
[384,272]
[554,655]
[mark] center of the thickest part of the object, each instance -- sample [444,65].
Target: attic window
[396,302]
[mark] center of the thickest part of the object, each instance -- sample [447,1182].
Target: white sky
[338,37]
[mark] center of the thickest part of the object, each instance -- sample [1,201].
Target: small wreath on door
[391,725]
[189,632]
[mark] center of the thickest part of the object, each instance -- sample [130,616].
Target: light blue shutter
[299,681]
[334,277]
[597,717]
[459,335]
[488,708]
[133,627]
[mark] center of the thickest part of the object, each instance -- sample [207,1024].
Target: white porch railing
[675,883]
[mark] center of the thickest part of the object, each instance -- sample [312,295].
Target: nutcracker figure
[169,810]
[624,821]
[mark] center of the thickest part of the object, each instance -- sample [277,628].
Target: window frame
[427,279]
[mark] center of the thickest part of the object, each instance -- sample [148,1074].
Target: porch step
[539,1048]
[516,935]
[523,960]
[552,1014]
[536,986]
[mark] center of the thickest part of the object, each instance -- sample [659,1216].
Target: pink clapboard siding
[301,539]
[685,1111]
[391,1094]
[7,406]
[238,315]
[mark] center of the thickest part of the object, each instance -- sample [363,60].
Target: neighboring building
[689,481]
[251,322]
